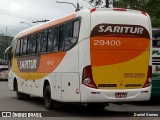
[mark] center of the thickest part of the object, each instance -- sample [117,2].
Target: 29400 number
[107,42]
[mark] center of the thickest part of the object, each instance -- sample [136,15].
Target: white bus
[92,56]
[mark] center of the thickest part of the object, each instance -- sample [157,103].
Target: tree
[152,7]
[100,3]
[4,44]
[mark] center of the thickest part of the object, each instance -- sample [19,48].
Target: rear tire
[48,102]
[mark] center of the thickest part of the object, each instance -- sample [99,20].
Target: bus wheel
[96,106]
[47,98]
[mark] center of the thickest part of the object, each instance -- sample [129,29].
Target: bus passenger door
[70,87]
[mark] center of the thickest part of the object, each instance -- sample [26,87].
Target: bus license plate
[120,95]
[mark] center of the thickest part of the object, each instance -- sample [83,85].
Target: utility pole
[77,8]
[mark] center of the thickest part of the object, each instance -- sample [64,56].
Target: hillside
[4,43]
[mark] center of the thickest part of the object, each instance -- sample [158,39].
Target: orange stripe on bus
[111,57]
[49,62]
[47,25]
[123,43]
[129,48]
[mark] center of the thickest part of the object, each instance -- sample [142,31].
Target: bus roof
[45,25]
[51,23]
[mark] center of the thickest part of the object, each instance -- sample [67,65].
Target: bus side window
[21,49]
[18,47]
[69,30]
[44,42]
[14,46]
[24,46]
[71,34]
[38,43]
[50,40]
[33,44]
[61,38]
[76,25]
[68,34]
[55,39]
[29,49]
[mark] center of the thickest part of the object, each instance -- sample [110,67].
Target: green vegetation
[152,7]
[4,43]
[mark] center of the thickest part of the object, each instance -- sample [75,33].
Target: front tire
[47,98]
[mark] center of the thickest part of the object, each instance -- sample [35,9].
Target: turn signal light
[149,78]
[87,78]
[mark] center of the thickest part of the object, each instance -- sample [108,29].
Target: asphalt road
[10,103]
